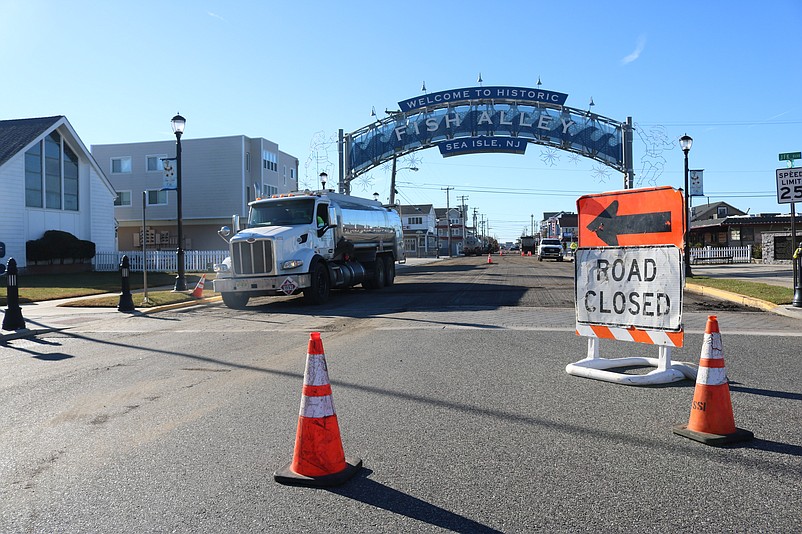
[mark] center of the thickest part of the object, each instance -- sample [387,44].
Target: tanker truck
[309,242]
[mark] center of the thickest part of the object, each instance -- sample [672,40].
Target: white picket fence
[159,260]
[721,255]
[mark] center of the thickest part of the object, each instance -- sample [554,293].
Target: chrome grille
[252,258]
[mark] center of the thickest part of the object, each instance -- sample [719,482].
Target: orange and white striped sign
[650,337]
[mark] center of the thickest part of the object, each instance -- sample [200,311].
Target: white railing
[159,260]
[721,254]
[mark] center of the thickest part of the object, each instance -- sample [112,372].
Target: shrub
[59,245]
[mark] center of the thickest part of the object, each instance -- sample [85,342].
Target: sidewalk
[48,316]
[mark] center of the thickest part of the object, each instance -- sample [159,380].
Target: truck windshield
[287,212]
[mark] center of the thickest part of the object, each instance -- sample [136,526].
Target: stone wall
[769,254]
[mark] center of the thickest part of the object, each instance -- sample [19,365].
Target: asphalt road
[450,386]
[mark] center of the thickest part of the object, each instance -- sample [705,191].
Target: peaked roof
[707,211]
[16,134]
[415,209]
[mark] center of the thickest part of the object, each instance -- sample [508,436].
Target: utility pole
[463,208]
[533,225]
[448,220]
[475,228]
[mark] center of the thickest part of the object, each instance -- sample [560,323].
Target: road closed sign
[639,287]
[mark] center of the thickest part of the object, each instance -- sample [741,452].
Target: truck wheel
[389,271]
[320,290]
[376,278]
[235,301]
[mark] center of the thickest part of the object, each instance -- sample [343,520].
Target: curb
[739,299]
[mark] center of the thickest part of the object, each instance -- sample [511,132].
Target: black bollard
[126,301]
[13,319]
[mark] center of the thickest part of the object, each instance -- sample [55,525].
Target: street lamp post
[685,143]
[178,123]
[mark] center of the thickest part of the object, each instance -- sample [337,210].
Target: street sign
[648,216]
[790,156]
[633,287]
[789,186]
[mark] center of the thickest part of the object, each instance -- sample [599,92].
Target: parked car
[550,248]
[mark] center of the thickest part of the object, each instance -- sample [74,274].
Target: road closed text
[629,286]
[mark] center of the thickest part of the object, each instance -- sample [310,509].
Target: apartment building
[219,177]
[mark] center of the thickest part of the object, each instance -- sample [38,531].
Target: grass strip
[775,294]
[36,287]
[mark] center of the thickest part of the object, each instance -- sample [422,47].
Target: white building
[219,177]
[50,181]
[419,223]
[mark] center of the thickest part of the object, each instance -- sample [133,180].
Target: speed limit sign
[789,186]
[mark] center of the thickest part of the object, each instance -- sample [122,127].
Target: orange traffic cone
[501,252]
[318,459]
[198,291]
[529,253]
[489,259]
[711,421]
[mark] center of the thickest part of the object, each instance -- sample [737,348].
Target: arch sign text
[486,119]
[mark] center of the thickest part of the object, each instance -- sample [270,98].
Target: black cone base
[714,439]
[287,476]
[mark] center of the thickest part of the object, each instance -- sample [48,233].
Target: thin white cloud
[215,15]
[641,44]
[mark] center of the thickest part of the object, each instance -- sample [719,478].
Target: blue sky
[725,72]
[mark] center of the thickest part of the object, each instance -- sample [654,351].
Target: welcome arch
[496,119]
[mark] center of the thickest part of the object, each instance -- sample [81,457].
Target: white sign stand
[622,276]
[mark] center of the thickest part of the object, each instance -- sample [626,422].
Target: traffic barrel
[712,421]
[318,459]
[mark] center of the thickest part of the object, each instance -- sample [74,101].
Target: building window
[53,171]
[735,234]
[123,198]
[51,175]
[285,176]
[292,174]
[721,212]
[33,176]
[70,179]
[269,161]
[415,220]
[154,163]
[247,161]
[121,165]
[156,197]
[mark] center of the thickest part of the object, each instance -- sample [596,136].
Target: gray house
[219,177]
[50,181]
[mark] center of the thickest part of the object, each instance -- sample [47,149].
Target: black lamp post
[178,122]
[685,143]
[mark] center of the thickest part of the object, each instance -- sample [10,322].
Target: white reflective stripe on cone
[317,407]
[711,376]
[316,373]
[711,347]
